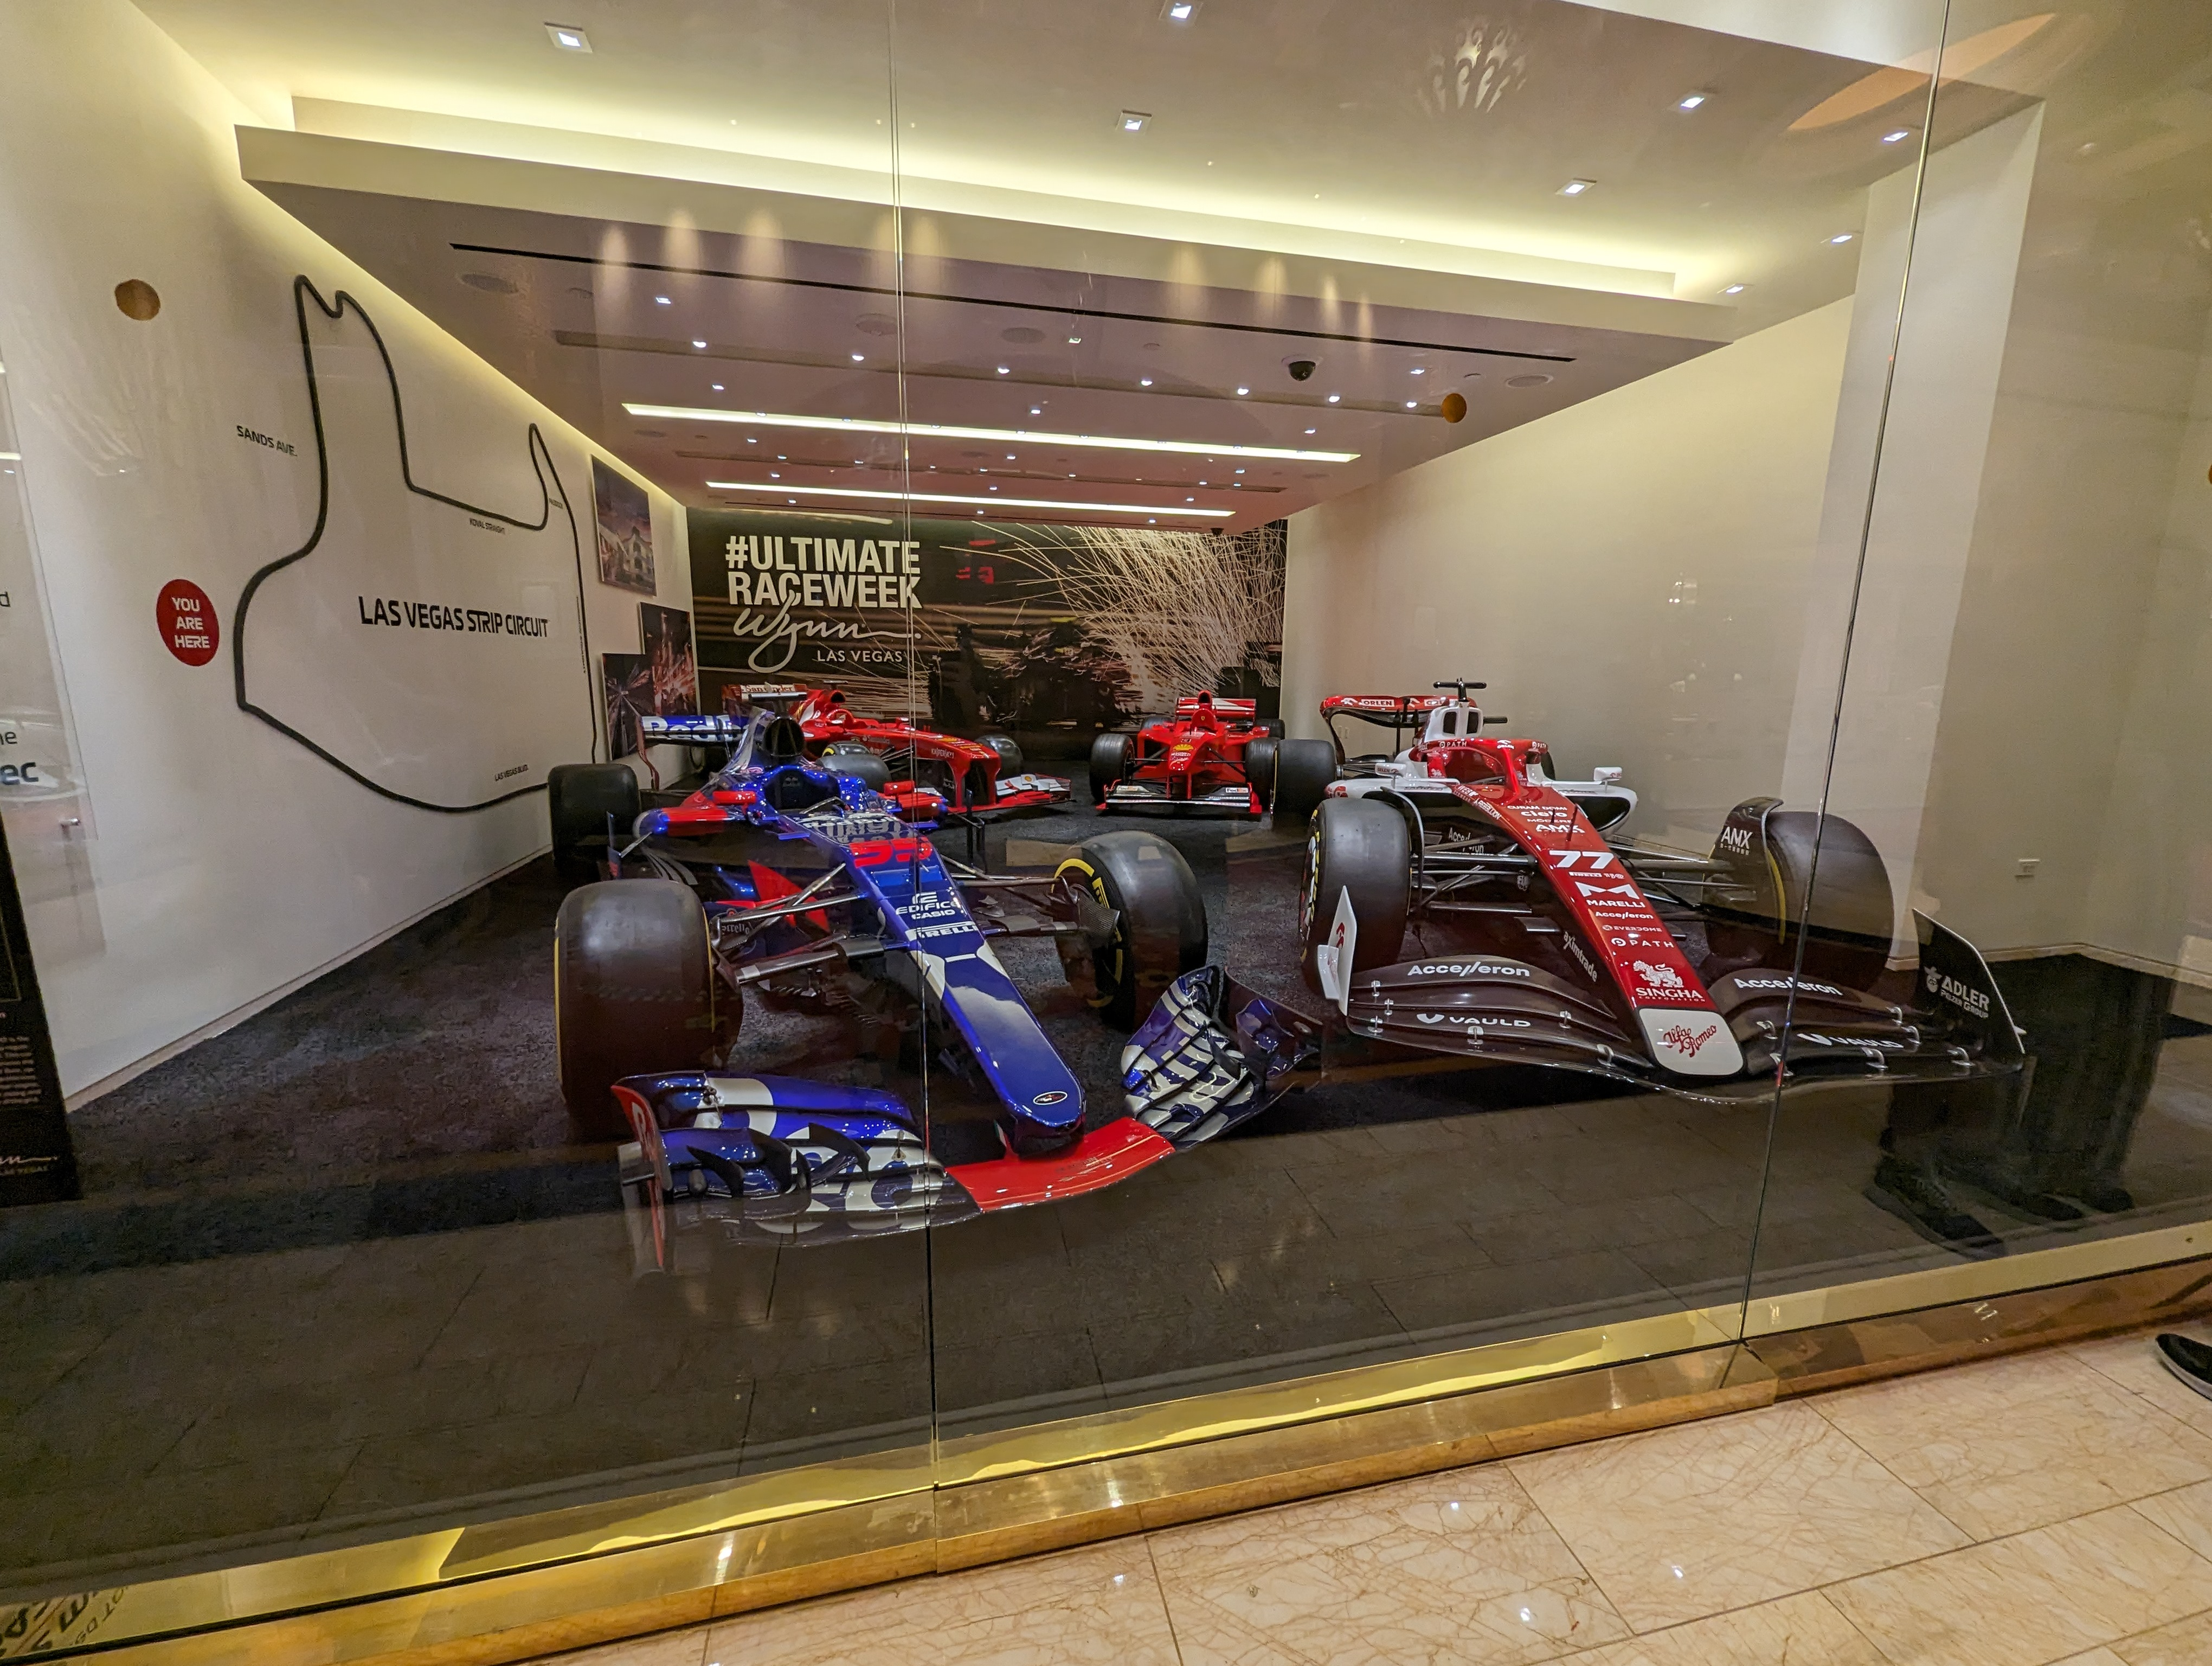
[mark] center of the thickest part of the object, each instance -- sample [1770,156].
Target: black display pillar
[36,1164]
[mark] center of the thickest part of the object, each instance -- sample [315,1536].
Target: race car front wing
[780,1160]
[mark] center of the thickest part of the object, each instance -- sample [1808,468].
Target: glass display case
[760,763]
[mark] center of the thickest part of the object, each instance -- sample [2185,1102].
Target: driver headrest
[781,741]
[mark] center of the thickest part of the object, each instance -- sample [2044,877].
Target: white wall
[1905,564]
[220,861]
[1628,575]
[2074,726]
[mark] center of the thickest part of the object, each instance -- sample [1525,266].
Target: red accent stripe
[1100,1158]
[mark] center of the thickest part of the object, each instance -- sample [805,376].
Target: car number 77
[1599,860]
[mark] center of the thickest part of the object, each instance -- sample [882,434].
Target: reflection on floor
[339,1276]
[2055,1507]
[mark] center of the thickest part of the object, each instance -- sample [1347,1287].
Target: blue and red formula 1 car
[786,879]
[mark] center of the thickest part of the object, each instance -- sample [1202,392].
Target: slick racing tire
[581,798]
[1010,754]
[1358,846]
[1272,727]
[1260,767]
[633,992]
[1304,769]
[1109,762]
[1159,932]
[850,757]
[1853,906]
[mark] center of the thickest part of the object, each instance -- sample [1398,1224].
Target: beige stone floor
[2050,1508]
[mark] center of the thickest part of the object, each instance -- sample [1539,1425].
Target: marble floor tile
[1804,1630]
[1453,1567]
[1684,1522]
[2011,1445]
[2185,1643]
[2131,1362]
[2184,1514]
[2037,1597]
[1099,1604]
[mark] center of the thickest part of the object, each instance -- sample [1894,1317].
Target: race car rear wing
[1229,711]
[1398,712]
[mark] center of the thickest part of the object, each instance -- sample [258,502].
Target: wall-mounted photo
[625,523]
[626,681]
[664,634]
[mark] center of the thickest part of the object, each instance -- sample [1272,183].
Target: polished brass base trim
[593,1574]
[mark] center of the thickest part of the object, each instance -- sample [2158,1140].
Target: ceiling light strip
[781,491]
[1010,306]
[1005,435]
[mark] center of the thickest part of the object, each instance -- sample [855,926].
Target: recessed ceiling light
[1902,133]
[1411,405]
[1333,398]
[1132,121]
[699,343]
[1312,430]
[718,387]
[750,441]
[1575,187]
[568,37]
[1417,371]
[1144,381]
[1240,470]
[1691,100]
[1005,436]
[1179,11]
[1005,370]
[937,497]
[1075,341]
[1242,391]
[1736,289]
[773,475]
[1036,411]
[860,358]
[1843,237]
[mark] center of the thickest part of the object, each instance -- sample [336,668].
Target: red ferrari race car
[1458,900]
[1209,754]
[970,775]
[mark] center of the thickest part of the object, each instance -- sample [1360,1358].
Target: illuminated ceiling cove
[765,206]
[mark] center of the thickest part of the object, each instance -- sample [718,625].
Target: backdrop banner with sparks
[1050,632]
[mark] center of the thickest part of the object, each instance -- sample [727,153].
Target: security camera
[1300,369]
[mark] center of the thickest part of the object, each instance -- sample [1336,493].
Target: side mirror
[1606,775]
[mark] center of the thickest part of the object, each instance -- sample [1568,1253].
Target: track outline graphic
[549,483]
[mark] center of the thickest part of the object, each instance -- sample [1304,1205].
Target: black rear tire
[633,993]
[1272,727]
[1358,846]
[850,757]
[1304,770]
[1260,757]
[580,798]
[1109,762]
[1161,932]
[1010,754]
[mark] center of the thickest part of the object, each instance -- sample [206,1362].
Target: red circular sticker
[185,618]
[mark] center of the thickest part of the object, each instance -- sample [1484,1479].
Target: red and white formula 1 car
[970,775]
[1209,754]
[1535,939]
